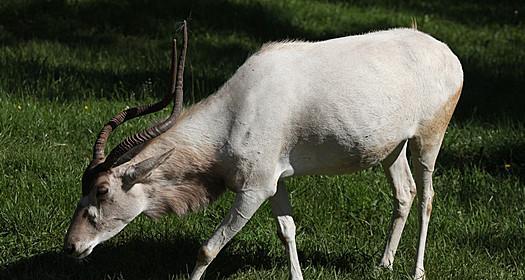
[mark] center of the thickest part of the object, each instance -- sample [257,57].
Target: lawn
[67,66]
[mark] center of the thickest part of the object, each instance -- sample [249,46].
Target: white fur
[299,108]
[329,107]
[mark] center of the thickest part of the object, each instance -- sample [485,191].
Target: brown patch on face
[431,132]
[90,180]
[80,227]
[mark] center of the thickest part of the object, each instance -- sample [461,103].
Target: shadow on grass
[75,26]
[354,262]
[498,160]
[471,12]
[75,23]
[152,259]
[70,82]
[137,259]
[487,92]
[509,244]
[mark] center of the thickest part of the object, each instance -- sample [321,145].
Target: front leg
[282,211]
[245,205]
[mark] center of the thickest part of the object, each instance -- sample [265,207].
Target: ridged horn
[99,161]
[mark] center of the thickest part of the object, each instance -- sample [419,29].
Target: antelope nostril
[69,248]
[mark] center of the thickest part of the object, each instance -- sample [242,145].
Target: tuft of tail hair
[414,23]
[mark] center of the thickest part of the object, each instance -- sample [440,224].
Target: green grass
[67,66]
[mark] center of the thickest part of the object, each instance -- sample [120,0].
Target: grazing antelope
[293,108]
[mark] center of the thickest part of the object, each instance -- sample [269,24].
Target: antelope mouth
[83,254]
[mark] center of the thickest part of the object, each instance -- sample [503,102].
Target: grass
[67,66]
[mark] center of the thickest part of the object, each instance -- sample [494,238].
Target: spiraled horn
[176,92]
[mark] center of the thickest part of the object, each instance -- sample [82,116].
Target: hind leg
[404,190]
[425,148]
[424,155]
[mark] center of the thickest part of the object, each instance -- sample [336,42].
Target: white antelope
[293,108]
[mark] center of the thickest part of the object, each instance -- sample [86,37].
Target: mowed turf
[67,66]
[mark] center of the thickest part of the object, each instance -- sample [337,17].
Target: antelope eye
[101,191]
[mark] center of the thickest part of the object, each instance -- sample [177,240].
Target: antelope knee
[206,255]
[403,205]
[286,230]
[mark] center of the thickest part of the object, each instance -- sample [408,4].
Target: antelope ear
[139,171]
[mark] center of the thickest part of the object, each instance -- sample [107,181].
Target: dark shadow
[73,82]
[498,160]
[355,262]
[76,26]
[501,243]
[469,12]
[136,259]
[153,259]
[98,23]
[487,93]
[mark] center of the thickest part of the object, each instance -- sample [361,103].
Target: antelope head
[112,186]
